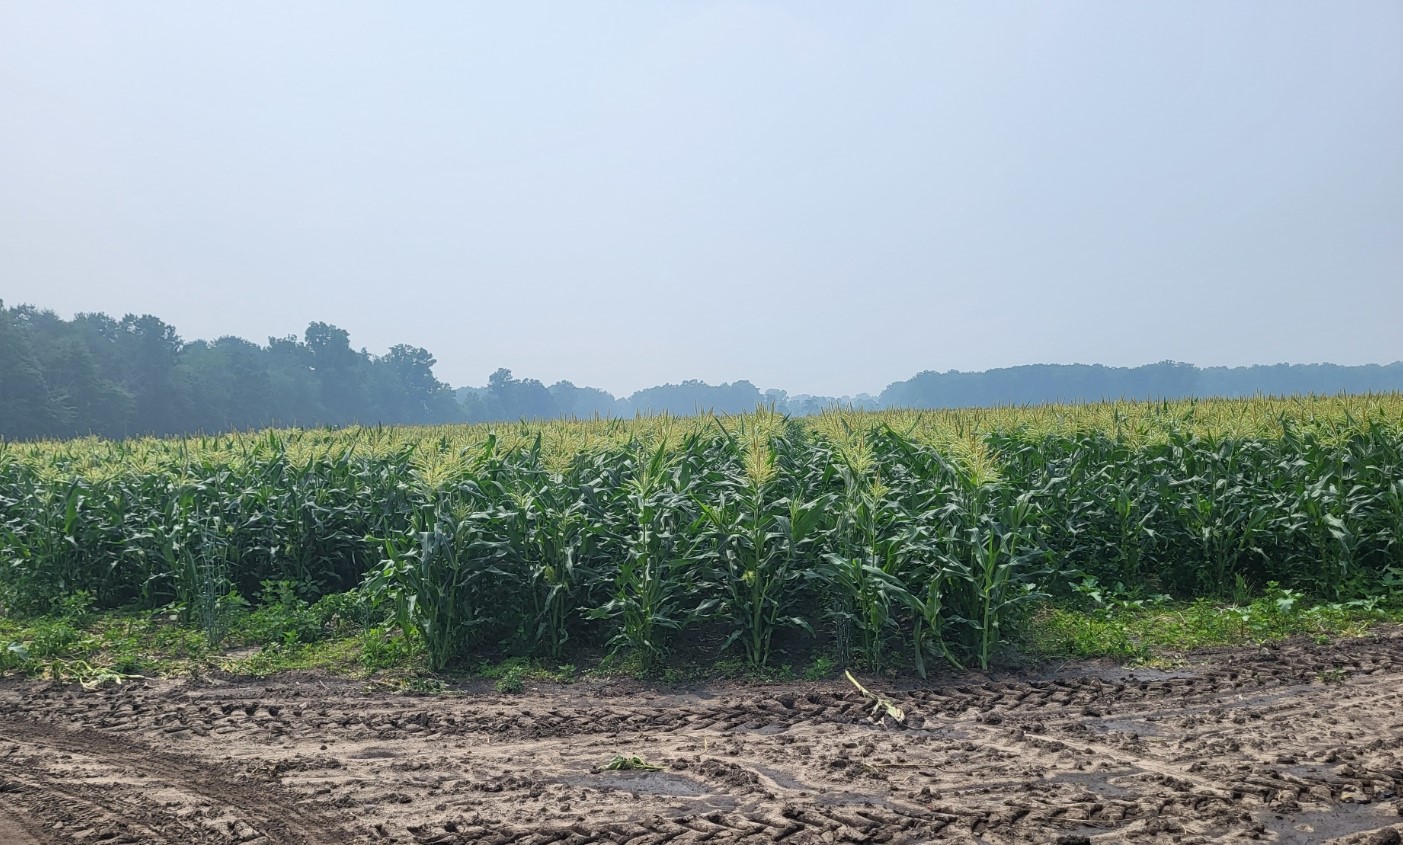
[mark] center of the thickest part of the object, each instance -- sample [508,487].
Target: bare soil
[1295,743]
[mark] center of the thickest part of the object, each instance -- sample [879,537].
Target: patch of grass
[512,674]
[14,655]
[52,638]
[729,666]
[634,763]
[83,673]
[1138,631]
[386,648]
[156,643]
[511,681]
[1337,675]
[1060,632]
[822,667]
[340,656]
[425,686]
[90,649]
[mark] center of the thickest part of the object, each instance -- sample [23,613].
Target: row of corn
[876,534]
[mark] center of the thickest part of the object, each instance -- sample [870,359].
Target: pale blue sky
[823,197]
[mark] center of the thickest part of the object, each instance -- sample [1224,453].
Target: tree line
[99,375]
[1045,383]
[96,374]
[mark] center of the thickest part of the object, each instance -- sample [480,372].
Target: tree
[92,403]
[694,396]
[406,390]
[26,408]
[149,349]
[296,393]
[525,399]
[583,402]
[340,373]
[132,376]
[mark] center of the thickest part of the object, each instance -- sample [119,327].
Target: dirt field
[1296,743]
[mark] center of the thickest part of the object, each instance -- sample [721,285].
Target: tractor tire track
[1297,742]
[44,761]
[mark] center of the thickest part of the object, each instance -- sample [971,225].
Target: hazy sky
[824,197]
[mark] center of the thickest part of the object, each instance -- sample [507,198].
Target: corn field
[919,535]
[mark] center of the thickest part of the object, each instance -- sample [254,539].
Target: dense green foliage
[119,378]
[1037,383]
[873,534]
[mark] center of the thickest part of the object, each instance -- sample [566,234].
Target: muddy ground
[1293,743]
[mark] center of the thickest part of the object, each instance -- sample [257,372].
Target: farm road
[1297,743]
